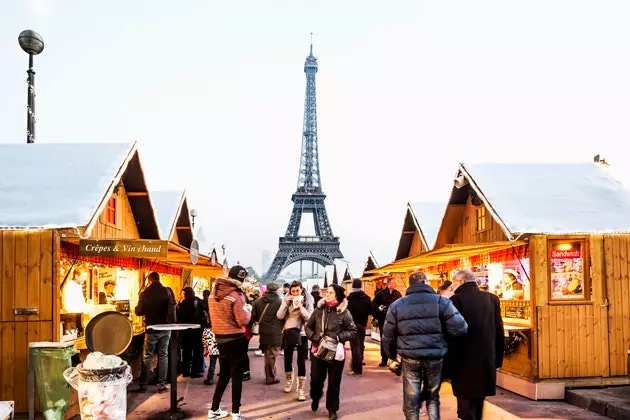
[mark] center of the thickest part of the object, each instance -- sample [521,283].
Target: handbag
[327,347]
[256,325]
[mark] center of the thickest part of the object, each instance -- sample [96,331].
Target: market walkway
[377,395]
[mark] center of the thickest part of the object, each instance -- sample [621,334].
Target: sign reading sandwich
[135,248]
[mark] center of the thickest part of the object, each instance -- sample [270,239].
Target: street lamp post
[33,44]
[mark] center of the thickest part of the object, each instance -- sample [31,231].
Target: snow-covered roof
[167,206]
[561,198]
[57,185]
[428,217]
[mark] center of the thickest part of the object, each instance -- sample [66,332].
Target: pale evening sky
[214,93]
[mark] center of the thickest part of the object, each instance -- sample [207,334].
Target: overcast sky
[214,93]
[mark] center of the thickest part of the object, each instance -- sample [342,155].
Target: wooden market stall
[78,238]
[552,241]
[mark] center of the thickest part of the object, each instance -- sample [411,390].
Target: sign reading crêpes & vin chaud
[135,248]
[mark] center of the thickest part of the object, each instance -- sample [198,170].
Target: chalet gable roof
[173,215]
[67,185]
[564,198]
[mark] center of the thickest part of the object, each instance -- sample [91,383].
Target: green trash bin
[50,360]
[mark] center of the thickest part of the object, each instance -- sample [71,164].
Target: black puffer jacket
[339,323]
[360,307]
[416,324]
[270,326]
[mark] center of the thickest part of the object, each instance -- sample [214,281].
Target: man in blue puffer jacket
[414,330]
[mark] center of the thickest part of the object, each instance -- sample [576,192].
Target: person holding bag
[329,327]
[266,324]
[295,310]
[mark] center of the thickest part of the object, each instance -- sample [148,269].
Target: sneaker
[352,373]
[237,416]
[382,364]
[162,389]
[246,376]
[258,353]
[208,382]
[217,414]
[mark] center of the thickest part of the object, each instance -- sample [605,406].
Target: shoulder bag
[256,325]
[327,347]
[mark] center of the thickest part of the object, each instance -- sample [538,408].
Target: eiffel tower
[323,247]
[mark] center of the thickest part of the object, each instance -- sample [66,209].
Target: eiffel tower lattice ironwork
[323,247]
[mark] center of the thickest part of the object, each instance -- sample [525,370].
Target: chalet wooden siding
[417,247]
[125,227]
[467,230]
[582,340]
[27,279]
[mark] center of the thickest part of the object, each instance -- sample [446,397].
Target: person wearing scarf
[332,319]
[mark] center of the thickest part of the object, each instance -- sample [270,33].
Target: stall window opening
[567,260]
[481,218]
[110,211]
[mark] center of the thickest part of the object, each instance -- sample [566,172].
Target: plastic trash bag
[54,392]
[102,392]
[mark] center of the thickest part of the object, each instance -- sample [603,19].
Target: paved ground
[377,395]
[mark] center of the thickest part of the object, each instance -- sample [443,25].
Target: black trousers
[320,369]
[192,352]
[302,351]
[381,324]
[231,358]
[470,408]
[357,346]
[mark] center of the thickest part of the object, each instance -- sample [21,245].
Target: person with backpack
[191,311]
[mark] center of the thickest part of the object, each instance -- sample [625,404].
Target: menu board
[518,312]
[566,260]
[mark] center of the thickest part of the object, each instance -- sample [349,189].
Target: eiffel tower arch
[323,247]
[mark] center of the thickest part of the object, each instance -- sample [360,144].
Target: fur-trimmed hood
[340,308]
[225,286]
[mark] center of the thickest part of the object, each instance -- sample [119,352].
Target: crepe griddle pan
[109,332]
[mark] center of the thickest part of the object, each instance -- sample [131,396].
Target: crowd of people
[427,336]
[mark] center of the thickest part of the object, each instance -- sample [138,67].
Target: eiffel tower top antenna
[311,43]
[309,179]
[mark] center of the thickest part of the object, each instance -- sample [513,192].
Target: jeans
[301,350]
[231,359]
[381,325]
[357,346]
[421,382]
[319,370]
[160,339]
[192,352]
[470,408]
[211,368]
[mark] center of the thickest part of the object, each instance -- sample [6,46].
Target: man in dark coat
[315,294]
[380,305]
[474,358]
[414,330]
[264,312]
[360,307]
[191,311]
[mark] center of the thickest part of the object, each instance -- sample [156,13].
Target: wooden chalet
[553,242]
[72,211]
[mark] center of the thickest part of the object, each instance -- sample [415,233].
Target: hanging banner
[132,248]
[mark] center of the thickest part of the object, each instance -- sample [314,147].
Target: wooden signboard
[131,248]
[518,312]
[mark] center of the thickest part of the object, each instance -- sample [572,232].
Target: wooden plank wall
[125,228]
[587,339]
[467,230]
[26,280]
[417,247]
[616,249]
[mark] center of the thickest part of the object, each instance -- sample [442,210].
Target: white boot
[289,383]
[301,388]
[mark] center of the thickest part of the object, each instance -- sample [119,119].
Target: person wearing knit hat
[230,314]
[360,307]
[331,319]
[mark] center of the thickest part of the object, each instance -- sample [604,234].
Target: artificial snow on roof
[429,217]
[166,205]
[56,185]
[554,198]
